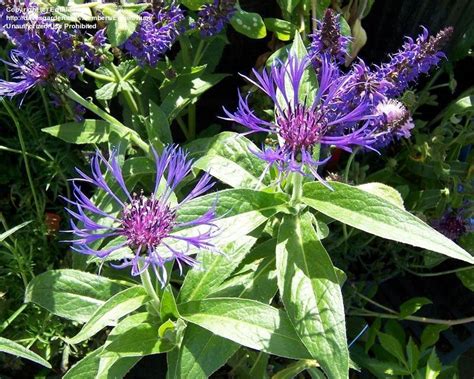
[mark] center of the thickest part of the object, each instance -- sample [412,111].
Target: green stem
[191,122]
[121,128]
[314,14]
[25,159]
[12,318]
[132,104]
[182,125]
[98,76]
[426,320]
[297,191]
[132,72]
[429,274]
[199,52]
[10,150]
[350,160]
[45,104]
[150,290]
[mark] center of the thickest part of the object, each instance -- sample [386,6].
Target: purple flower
[26,73]
[213,17]
[394,122]
[43,50]
[452,225]
[148,225]
[327,40]
[303,123]
[155,35]
[416,57]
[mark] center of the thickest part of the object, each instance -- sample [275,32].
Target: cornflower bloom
[43,50]
[394,122]
[148,225]
[302,123]
[26,74]
[416,57]
[157,32]
[328,40]
[213,17]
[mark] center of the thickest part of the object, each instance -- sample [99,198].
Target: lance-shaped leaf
[214,269]
[111,311]
[247,322]
[200,355]
[71,294]
[230,159]
[11,347]
[311,293]
[377,216]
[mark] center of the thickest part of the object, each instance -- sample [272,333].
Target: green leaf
[194,4]
[430,335]
[248,24]
[288,5]
[256,277]
[374,215]
[380,369]
[168,307]
[433,366]
[9,232]
[413,305]
[293,369]
[90,367]
[87,131]
[107,91]
[122,26]
[467,278]
[413,354]
[213,270]
[200,355]
[247,322]
[229,158]
[71,294]
[284,30]
[185,90]
[387,193]
[158,129]
[13,348]
[239,211]
[309,82]
[310,290]
[116,307]
[138,341]
[392,346]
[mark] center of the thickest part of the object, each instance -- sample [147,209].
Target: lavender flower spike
[155,35]
[302,123]
[328,40]
[148,225]
[213,17]
[416,57]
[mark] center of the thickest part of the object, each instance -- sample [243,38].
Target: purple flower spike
[327,40]
[213,17]
[416,57]
[148,225]
[155,35]
[302,124]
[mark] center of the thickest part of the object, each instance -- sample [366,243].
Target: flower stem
[98,76]
[150,290]
[297,191]
[39,210]
[119,127]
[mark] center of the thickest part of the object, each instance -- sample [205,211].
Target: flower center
[301,128]
[145,222]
